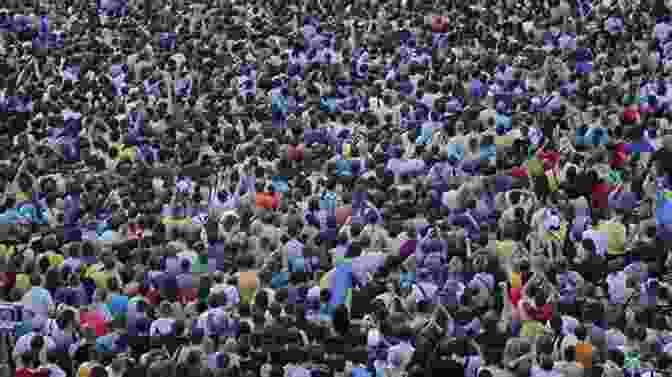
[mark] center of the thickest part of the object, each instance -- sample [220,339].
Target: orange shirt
[268,200]
[584,354]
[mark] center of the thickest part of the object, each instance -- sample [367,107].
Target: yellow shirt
[22,282]
[128,152]
[504,141]
[559,235]
[55,259]
[101,278]
[505,248]
[616,233]
[532,329]
[7,250]
[176,221]
[23,196]
[247,285]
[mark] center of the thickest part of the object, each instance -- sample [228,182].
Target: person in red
[30,372]
[440,24]
[619,156]
[549,157]
[600,194]
[7,281]
[519,172]
[93,318]
[295,151]
[536,308]
[26,366]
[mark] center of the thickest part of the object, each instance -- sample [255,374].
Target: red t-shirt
[542,314]
[153,296]
[94,319]
[28,372]
[631,115]
[515,294]
[268,200]
[440,24]
[550,159]
[7,280]
[600,196]
[519,172]
[342,214]
[295,153]
[620,156]
[187,295]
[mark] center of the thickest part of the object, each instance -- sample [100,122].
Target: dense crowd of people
[368,188]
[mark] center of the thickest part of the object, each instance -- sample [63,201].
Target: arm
[169,82]
[507,311]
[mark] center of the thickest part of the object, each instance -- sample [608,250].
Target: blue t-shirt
[118,304]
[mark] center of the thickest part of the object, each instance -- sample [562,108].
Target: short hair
[35,280]
[581,333]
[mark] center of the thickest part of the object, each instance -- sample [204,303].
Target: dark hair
[35,280]
[581,333]
[570,353]
[341,319]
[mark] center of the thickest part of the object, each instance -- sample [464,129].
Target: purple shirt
[186,281]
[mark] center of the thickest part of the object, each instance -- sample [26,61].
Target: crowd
[367,188]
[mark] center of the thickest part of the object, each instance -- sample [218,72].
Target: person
[246,183]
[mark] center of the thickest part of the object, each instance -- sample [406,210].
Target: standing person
[584,350]
[38,299]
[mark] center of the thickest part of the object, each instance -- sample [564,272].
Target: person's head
[36,280]
[581,333]
[341,319]
[556,324]
[518,356]
[37,343]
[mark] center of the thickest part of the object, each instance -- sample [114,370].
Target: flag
[71,73]
[112,8]
[136,123]
[168,41]
[183,87]
[185,184]
[118,72]
[152,87]
[247,80]
[584,7]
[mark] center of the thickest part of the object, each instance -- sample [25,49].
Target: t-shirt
[94,319]
[505,248]
[247,285]
[118,304]
[101,278]
[616,236]
[268,200]
[584,354]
